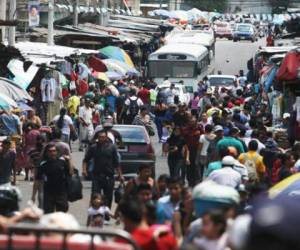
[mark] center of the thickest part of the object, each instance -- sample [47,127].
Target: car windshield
[244,28]
[221,81]
[132,134]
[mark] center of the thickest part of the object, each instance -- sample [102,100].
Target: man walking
[53,172]
[7,163]
[106,160]
[86,125]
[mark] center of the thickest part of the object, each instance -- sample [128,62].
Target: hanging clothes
[48,86]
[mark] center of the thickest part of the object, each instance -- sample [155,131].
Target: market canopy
[6,103]
[289,187]
[121,67]
[116,53]
[40,53]
[10,89]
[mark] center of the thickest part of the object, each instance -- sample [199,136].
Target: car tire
[234,40]
[253,40]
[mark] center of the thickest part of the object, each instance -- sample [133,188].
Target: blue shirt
[9,124]
[111,100]
[165,209]
[212,167]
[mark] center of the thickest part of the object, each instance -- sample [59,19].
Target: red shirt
[144,239]
[144,95]
[82,88]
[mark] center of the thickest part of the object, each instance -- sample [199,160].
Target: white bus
[195,37]
[186,62]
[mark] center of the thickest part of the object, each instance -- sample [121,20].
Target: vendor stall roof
[280,49]
[42,53]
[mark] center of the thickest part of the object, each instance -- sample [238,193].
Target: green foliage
[208,5]
[279,6]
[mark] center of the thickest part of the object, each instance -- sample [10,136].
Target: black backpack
[133,107]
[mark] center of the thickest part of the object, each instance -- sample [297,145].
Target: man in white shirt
[86,126]
[226,175]
[132,107]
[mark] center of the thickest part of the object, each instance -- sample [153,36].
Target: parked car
[223,30]
[245,31]
[220,81]
[183,95]
[136,149]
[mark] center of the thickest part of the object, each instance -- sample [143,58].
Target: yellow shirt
[260,166]
[73,104]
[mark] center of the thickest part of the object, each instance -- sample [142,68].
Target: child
[213,232]
[166,132]
[98,213]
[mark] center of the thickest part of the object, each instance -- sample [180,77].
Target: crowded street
[226,61]
[145,126]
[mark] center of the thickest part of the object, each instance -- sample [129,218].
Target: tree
[278,6]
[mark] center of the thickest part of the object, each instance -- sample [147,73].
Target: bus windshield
[175,69]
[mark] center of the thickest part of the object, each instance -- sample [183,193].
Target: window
[176,69]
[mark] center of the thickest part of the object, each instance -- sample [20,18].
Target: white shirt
[260,145]
[101,210]
[205,143]
[48,89]
[67,122]
[86,114]
[133,98]
[226,176]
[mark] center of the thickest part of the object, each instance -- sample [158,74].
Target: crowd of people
[220,150]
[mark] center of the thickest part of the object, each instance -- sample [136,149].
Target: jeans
[158,122]
[177,168]
[104,185]
[193,170]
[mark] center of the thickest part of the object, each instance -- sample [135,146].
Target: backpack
[250,164]
[133,107]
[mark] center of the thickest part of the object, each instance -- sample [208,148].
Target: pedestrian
[144,176]
[167,205]
[204,141]
[98,212]
[213,231]
[194,104]
[230,140]
[7,163]
[65,124]
[106,162]
[31,133]
[160,110]
[254,163]
[35,157]
[178,154]
[131,107]
[181,116]
[287,166]
[143,119]
[53,173]
[62,147]
[86,124]
[226,176]
[33,118]
[10,124]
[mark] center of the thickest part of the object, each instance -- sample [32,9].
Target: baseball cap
[218,128]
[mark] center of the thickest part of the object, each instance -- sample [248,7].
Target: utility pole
[2,17]
[12,29]
[75,12]
[50,22]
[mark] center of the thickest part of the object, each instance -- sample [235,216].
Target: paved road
[230,58]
